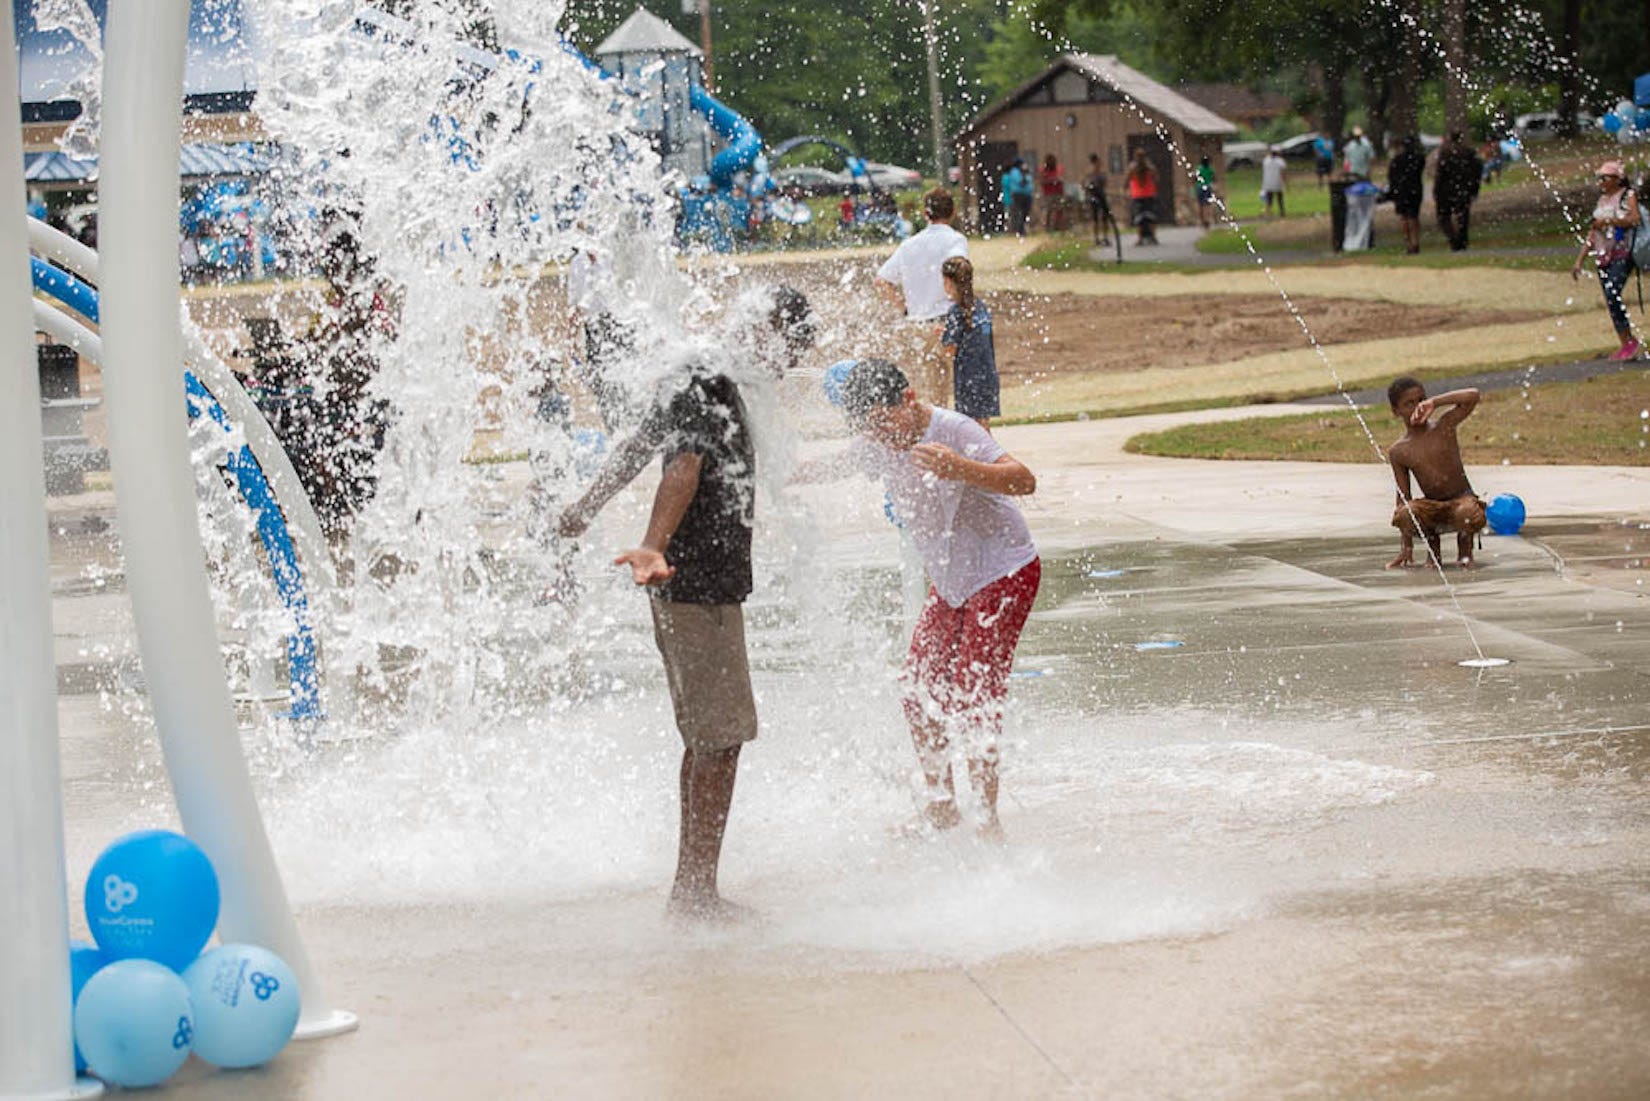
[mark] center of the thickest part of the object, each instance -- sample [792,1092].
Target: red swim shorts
[960,657]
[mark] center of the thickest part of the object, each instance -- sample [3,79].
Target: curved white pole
[62,250]
[36,1034]
[155,487]
[76,258]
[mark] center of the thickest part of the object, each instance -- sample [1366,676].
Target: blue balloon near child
[84,961]
[134,1023]
[246,1003]
[836,377]
[1611,123]
[152,895]
[1505,514]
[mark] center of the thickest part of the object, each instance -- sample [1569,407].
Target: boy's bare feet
[992,832]
[708,910]
[942,814]
[1405,560]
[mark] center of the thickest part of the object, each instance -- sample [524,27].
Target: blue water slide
[252,483]
[744,144]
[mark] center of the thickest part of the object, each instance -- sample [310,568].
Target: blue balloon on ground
[1505,514]
[84,961]
[152,895]
[134,1023]
[1611,123]
[836,376]
[246,1005]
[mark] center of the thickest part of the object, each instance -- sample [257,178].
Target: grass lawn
[1301,193]
[1598,421]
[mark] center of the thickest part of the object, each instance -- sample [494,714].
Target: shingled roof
[1158,101]
[646,32]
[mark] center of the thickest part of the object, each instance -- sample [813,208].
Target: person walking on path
[1272,172]
[1094,191]
[1407,185]
[911,280]
[1360,155]
[1142,182]
[696,561]
[1454,187]
[1616,218]
[1016,194]
[1205,192]
[1051,185]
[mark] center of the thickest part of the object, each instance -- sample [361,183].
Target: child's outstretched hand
[938,460]
[647,567]
[1422,413]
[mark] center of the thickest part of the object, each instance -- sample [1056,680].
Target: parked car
[1542,125]
[807,179]
[892,176]
[1299,147]
[1243,154]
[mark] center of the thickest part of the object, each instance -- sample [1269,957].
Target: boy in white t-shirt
[950,485]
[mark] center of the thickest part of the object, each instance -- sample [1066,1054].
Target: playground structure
[141,345]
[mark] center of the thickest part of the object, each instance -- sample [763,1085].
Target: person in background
[1406,184]
[967,338]
[1360,155]
[1454,187]
[1616,217]
[1016,195]
[1205,192]
[1272,180]
[1323,158]
[1142,184]
[1051,185]
[911,280]
[1094,191]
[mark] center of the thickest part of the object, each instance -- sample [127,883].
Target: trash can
[1360,200]
[1337,213]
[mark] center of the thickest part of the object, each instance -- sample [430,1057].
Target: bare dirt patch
[1043,336]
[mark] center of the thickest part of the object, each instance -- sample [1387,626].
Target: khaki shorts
[710,679]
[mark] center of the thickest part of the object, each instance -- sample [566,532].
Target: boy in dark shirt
[696,556]
[1432,455]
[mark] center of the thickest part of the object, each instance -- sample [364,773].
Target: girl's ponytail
[961,273]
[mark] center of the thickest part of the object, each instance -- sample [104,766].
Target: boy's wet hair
[1402,385]
[792,317]
[872,384]
[938,204]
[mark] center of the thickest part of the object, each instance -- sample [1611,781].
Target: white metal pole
[36,1033]
[155,485]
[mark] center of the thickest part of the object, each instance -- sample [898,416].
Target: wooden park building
[1083,104]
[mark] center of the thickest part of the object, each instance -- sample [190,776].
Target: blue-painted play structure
[252,483]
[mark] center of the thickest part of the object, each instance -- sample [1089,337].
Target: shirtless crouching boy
[1431,454]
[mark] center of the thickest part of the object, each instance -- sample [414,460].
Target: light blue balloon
[836,377]
[246,1005]
[1611,123]
[84,961]
[134,1023]
[152,895]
